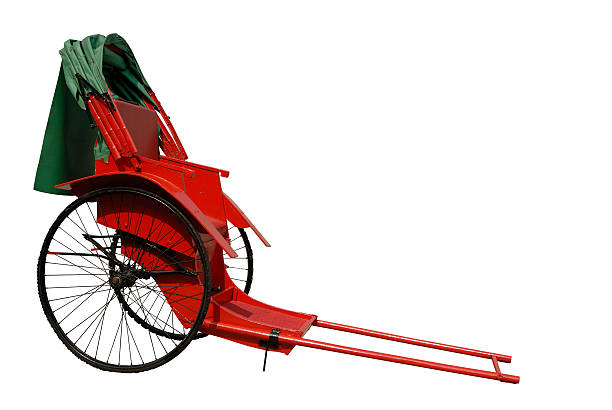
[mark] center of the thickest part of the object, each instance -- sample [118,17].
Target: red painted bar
[166,118]
[296,341]
[496,365]
[409,340]
[102,128]
[167,143]
[105,115]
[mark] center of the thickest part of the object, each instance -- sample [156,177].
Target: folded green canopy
[88,66]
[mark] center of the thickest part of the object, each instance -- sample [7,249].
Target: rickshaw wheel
[167,285]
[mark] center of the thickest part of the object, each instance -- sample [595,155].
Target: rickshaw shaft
[416,342]
[216,327]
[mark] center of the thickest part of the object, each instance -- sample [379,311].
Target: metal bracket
[271,343]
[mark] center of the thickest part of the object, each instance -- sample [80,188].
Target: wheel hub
[122,278]
[116,281]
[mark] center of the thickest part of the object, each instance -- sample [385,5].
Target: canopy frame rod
[113,130]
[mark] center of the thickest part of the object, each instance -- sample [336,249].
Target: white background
[440,170]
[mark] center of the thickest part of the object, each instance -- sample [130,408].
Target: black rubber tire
[52,319]
[249,252]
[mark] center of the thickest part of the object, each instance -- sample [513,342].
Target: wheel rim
[114,261]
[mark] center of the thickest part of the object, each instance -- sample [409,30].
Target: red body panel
[169,182]
[165,230]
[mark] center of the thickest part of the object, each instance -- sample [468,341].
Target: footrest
[234,307]
[270,317]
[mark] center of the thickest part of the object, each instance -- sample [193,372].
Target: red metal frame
[178,147]
[197,188]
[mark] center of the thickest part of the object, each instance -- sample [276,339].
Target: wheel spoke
[108,292]
[91,291]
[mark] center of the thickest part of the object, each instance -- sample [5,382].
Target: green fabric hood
[97,64]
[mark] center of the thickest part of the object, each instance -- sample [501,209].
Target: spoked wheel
[240,269]
[124,279]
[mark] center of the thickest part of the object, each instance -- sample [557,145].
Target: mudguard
[147,180]
[239,219]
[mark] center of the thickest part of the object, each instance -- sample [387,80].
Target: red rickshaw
[153,254]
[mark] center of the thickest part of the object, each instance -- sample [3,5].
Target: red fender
[144,179]
[239,219]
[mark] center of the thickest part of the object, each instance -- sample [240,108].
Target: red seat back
[141,123]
